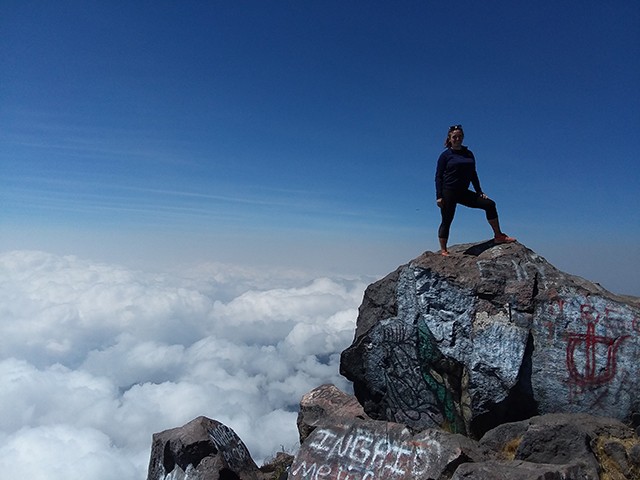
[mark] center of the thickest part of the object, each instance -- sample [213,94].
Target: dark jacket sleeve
[474,177]
[442,165]
[476,182]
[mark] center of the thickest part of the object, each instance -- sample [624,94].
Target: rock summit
[487,364]
[488,335]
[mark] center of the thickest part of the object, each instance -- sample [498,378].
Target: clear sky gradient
[306,133]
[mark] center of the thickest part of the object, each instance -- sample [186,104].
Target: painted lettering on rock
[362,455]
[229,444]
[597,329]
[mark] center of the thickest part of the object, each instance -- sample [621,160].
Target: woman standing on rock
[456,169]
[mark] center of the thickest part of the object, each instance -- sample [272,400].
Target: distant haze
[194,195]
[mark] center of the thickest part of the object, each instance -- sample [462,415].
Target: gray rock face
[203,449]
[489,335]
[494,470]
[344,446]
[576,445]
[368,450]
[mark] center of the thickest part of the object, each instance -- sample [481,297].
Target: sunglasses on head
[455,127]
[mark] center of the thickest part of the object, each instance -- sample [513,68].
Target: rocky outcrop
[488,364]
[327,406]
[372,449]
[553,446]
[492,334]
[341,443]
[203,449]
[573,445]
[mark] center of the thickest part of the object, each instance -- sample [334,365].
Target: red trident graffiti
[592,344]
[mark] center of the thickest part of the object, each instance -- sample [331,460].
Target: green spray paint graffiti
[429,356]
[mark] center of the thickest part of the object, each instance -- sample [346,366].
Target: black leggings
[467,198]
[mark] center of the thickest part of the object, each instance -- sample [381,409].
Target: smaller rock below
[363,449]
[517,470]
[616,452]
[578,443]
[634,456]
[278,467]
[324,406]
[203,449]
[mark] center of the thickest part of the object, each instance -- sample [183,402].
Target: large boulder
[488,335]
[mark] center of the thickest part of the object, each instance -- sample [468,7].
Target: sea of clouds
[95,358]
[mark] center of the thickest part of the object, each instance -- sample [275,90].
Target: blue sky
[306,133]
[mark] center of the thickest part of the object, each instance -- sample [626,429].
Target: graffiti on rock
[407,396]
[593,349]
[429,356]
[229,444]
[360,454]
[591,356]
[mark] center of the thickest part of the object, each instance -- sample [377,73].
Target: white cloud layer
[95,358]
